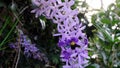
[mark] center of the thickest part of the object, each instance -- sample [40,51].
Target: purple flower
[73,42]
[61,43]
[36,2]
[13,45]
[86,41]
[78,54]
[30,50]
[66,54]
[42,7]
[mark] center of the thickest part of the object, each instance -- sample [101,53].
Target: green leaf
[55,59]
[93,66]
[4,26]
[104,57]
[1,44]
[105,32]
[118,3]
[105,20]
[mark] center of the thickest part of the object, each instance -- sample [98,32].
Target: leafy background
[103,35]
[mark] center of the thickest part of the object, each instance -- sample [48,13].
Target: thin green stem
[8,34]
[7,21]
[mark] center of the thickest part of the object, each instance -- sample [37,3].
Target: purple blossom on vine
[73,42]
[30,50]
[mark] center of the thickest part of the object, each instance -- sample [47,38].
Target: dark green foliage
[106,38]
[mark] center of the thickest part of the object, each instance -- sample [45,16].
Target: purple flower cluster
[30,50]
[73,42]
[73,54]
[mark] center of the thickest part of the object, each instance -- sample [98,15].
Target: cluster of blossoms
[30,50]
[73,42]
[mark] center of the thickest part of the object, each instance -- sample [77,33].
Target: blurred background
[102,21]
